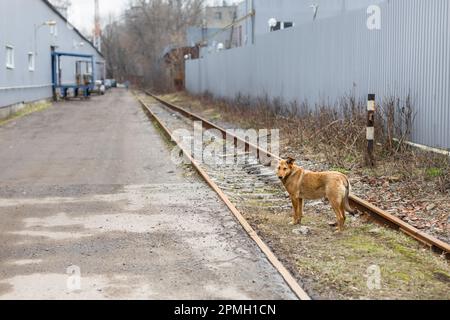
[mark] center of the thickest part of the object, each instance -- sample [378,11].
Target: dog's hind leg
[342,209]
[340,214]
[346,198]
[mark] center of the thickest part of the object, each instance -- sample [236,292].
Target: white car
[100,87]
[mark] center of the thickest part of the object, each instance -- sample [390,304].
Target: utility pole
[97,27]
[232,30]
[344,6]
[253,21]
[62,6]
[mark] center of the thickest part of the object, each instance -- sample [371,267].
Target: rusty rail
[287,276]
[374,212]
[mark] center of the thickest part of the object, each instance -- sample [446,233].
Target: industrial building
[215,30]
[290,13]
[236,25]
[42,54]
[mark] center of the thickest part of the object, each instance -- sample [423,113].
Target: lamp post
[49,23]
[77,44]
[272,23]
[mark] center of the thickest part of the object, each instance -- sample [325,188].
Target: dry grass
[332,266]
[410,183]
[336,133]
[336,266]
[28,109]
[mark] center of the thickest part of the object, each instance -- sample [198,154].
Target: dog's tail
[347,194]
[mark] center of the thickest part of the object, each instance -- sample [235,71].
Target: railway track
[234,183]
[363,206]
[247,182]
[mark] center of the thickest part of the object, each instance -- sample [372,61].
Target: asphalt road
[91,208]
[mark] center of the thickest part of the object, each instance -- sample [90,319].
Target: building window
[276,27]
[54,30]
[218,15]
[282,26]
[31,61]
[10,57]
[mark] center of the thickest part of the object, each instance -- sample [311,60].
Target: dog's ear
[290,161]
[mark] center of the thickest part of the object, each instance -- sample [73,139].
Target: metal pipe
[425,148]
[26,87]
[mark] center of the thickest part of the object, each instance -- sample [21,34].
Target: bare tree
[135,45]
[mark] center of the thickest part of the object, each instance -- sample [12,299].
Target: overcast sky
[82,11]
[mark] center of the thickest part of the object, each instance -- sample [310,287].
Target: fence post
[370,136]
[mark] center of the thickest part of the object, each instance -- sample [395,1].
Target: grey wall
[299,11]
[18,19]
[323,60]
[296,11]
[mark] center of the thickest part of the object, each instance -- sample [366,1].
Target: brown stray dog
[303,185]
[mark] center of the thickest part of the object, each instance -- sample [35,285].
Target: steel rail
[286,275]
[374,212]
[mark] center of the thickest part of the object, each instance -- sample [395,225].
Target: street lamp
[77,44]
[272,23]
[49,23]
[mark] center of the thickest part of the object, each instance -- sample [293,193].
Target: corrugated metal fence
[323,61]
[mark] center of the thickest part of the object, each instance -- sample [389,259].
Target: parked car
[99,87]
[114,83]
[108,83]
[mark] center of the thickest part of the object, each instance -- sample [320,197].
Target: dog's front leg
[299,214]
[301,206]
[294,209]
[298,211]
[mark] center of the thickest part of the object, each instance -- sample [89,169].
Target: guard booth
[84,79]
